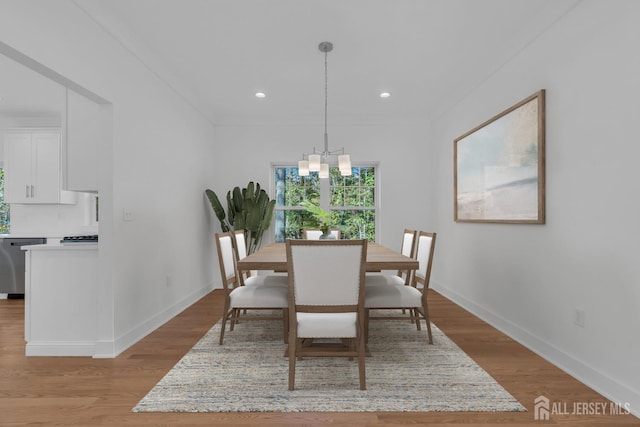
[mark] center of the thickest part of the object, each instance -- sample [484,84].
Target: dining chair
[326,300]
[407,248]
[265,294]
[315,233]
[252,276]
[388,292]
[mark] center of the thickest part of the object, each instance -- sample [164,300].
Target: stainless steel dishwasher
[12,264]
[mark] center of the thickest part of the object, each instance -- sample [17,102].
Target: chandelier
[318,161]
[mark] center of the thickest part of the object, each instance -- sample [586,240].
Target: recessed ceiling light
[385,94]
[261,95]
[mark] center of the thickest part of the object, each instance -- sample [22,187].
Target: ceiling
[428,53]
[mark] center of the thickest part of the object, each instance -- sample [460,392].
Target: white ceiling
[428,53]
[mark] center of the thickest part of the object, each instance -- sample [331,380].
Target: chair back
[226,258]
[327,274]
[315,233]
[241,243]
[407,249]
[240,250]
[426,243]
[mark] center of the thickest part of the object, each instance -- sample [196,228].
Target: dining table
[274,257]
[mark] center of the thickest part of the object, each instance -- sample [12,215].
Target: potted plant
[319,218]
[248,209]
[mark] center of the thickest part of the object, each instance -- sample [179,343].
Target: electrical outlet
[127,214]
[578,317]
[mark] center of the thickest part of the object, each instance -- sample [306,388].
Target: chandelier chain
[326,93]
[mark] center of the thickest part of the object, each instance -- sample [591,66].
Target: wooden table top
[274,257]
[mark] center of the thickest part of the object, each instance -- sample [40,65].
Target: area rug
[249,374]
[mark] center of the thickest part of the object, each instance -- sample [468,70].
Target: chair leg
[285,321]
[416,316]
[361,367]
[366,325]
[352,346]
[293,342]
[428,320]
[225,316]
[234,318]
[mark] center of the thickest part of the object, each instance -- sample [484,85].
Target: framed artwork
[499,167]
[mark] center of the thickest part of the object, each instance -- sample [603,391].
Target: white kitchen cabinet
[61,299]
[32,169]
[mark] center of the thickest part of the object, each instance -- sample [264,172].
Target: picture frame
[499,167]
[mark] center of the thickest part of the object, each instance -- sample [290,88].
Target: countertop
[24,236]
[55,245]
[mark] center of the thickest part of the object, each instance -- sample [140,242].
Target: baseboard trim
[111,349]
[60,348]
[601,383]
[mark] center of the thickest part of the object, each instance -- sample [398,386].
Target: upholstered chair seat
[390,292]
[327,325]
[253,295]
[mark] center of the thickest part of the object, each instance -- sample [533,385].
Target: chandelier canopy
[318,161]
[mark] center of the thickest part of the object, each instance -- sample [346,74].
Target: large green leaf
[231,211]
[253,215]
[268,214]
[238,200]
[217,209]
[240,221]
[248,195]
[215,204]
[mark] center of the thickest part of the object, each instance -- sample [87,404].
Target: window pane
[368,176]
[357,224]
[292,189]
[356,190]
[337,196]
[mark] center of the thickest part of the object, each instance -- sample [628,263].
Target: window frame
[325,193]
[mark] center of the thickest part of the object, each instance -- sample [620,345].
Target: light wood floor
[66,391]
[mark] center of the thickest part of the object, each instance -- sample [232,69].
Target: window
[4,207]
[350,199]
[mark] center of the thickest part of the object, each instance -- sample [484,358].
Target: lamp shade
[344,163]
[324,171]
[314,162]
[303,168]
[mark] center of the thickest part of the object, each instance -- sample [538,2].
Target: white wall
[401,150]
[528,279]
[156,166]
[28,99]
